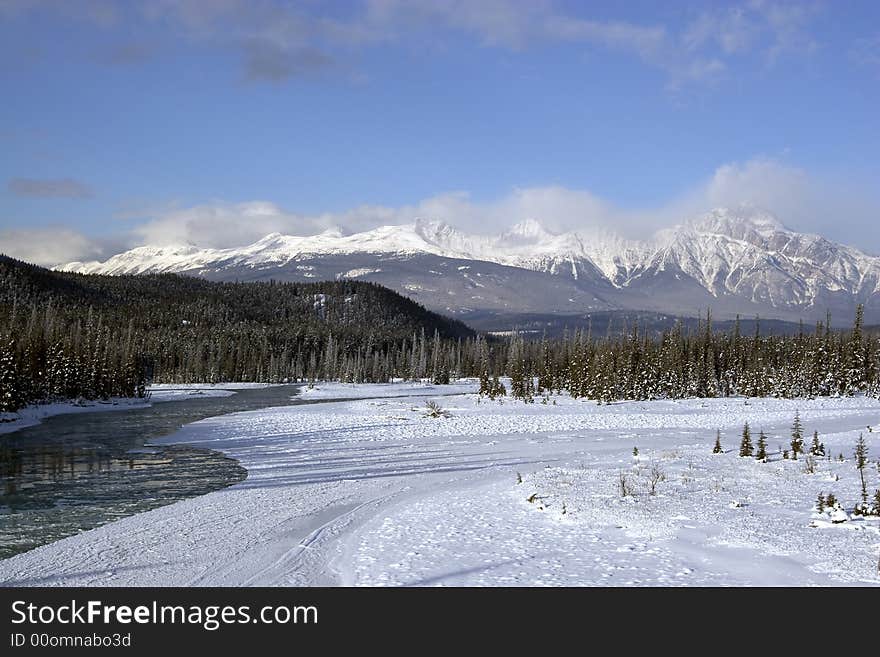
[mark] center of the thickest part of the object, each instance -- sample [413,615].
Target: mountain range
[740,261]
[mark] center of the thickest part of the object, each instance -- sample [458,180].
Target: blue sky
[211,121]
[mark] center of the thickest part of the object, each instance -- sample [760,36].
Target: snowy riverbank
[157,393]
[375,491]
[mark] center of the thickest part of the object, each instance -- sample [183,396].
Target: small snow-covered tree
[817,448]
[762,447]
[717,449]
[861,456]
[797,435]
[745,446]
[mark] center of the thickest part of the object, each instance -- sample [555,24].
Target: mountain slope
[345,308]
[741,261]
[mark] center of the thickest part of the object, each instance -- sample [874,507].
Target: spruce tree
[11,398]
[817,448]
[797,435]
[762,447]
[717,449]
[745,446]
[861,456]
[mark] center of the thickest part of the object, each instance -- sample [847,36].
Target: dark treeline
[699,363]
[69,335]
[66,336]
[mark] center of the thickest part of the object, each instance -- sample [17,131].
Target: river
[75,472]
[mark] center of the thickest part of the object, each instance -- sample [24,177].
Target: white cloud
[48,246]
[801,200]
[831,205]
[838,209]
[731,29]
[769,28]
[278,41]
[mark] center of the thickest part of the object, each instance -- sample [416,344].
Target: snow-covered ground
[397,389]
[162,392]
[378,492]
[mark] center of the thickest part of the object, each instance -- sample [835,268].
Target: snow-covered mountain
[741,261]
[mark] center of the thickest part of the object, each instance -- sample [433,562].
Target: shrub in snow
[635,451]
[625,486]
[810,464]
[717,449]
[837,515]
[433,409]
[830,510]
[871,508]
[863,509]
[534,498]
[655,476]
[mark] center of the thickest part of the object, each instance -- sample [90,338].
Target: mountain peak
[733,221]
[742,258]
[432,227]
[528,229]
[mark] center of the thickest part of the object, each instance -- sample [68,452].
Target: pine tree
[745,447]
[861,457]
[11,398]
[762,447]
[717,449]
[817,448]
[820,503]
[496,388]
[797,435]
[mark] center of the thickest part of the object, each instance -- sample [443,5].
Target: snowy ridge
[745,253]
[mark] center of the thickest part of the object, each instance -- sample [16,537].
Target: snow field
[376,492]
